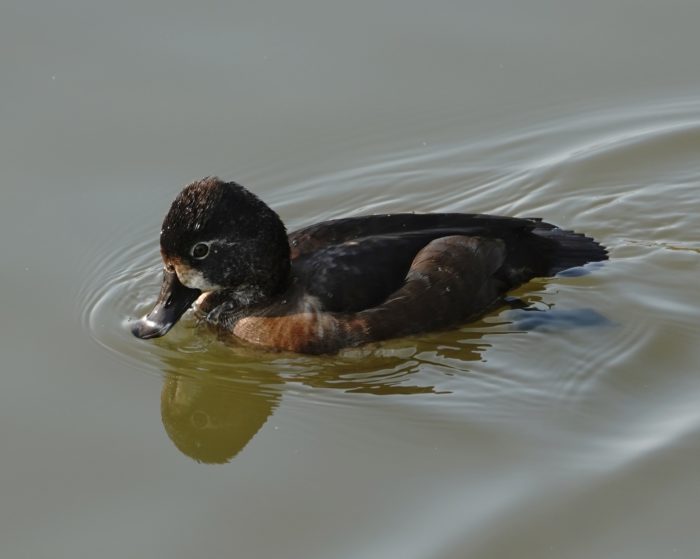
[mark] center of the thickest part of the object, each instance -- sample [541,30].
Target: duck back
[355,263]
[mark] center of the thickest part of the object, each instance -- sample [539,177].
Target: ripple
[126,282]
[576,180]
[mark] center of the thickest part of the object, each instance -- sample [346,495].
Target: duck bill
[173,301]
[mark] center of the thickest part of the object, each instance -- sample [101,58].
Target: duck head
[217,237]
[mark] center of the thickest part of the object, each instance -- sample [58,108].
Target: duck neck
[241,299]
[234,298]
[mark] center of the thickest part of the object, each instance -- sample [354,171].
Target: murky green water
[510,437]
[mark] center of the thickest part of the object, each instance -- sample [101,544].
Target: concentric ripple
[125,282]
[488,368]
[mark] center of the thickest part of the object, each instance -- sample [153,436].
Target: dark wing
[361,273]
[327,233]
[356,263]
[534,247]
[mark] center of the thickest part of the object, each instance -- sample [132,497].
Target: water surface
[568,430]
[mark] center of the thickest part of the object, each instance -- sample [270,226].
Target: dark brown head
[217,235]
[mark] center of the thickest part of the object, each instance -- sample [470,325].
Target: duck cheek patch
[192,278]
[174,299]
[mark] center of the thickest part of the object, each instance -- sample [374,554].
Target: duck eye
[200,251]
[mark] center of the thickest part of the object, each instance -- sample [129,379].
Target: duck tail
[569,249]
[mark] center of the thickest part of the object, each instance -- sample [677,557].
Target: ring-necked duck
[342,282]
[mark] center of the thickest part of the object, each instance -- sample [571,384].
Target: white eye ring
[200,251]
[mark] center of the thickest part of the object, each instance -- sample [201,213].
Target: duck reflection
[213,402]
[210,421]
[217,398]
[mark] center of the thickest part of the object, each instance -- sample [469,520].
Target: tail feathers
[570,249]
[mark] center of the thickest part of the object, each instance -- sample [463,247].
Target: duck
[343,282]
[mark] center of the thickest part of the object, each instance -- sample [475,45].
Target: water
[571,430]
